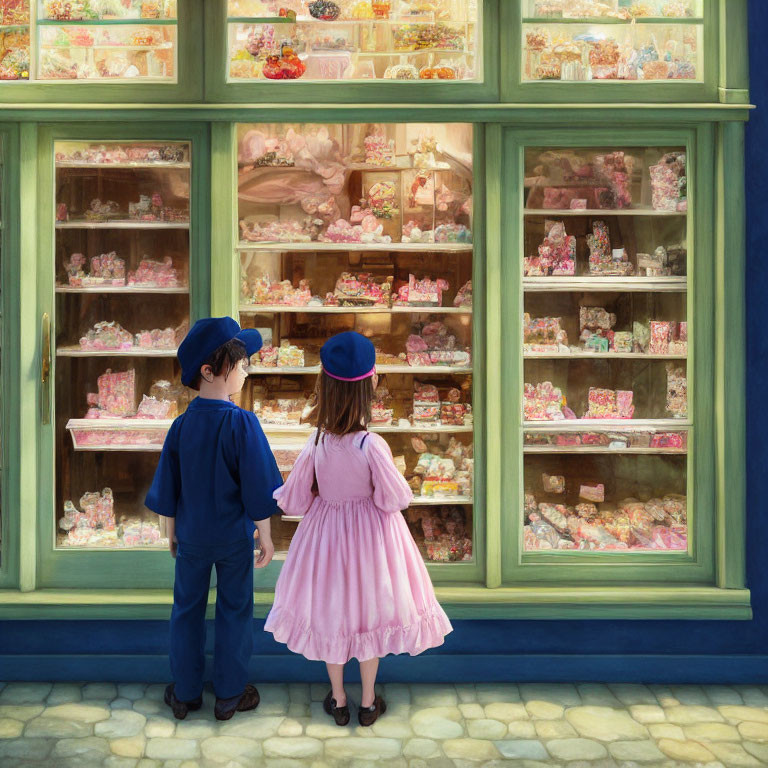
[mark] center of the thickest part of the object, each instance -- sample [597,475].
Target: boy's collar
[209,403]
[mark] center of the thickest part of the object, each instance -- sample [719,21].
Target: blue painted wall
[661,651]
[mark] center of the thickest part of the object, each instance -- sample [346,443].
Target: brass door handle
[45,371]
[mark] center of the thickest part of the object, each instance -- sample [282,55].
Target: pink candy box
[593,493]
[578,204]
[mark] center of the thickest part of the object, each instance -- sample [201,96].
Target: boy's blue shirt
[216,474]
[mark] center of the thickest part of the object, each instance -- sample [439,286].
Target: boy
[215,480]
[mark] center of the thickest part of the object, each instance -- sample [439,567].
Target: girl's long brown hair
[342,406]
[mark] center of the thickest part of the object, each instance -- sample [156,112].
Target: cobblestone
[484,725]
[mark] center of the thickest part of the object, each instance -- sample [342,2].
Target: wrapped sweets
[543,334]
[677,392]
[158,338]
[177,394]
[117,392]
[281,231]
[368,231]
[264,291]
[289,356]
[464,296]
[266,356]
[379,151]
[152,408]
[593,493]
[74,269]
[361,290]
[669,183]
[434,345]
[421,293]
[615,169]
[382,412]
[544,402]
[411,37]
[668,338]
[609,404]
[553,483]
[157,274]
[556,254]
[281,411]
[107,335]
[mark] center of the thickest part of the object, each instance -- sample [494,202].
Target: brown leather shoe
[369,715]
[180,708]
[339,714]
[225,708]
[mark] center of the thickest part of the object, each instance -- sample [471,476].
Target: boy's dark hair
[223,360]
[343,406]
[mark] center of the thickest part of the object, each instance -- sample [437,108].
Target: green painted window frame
[717,553]
[188,87]
[514,89]
[139,569]
[225,300]
[217,89]
[10,396]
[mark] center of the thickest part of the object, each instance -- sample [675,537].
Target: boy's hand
[265,553]
[173,546]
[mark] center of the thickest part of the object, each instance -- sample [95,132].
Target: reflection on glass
[318,40]
[367,228]
[14,40]
[618,40]
[122,308]
[605,340]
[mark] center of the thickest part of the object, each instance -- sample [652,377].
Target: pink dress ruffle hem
[354,584]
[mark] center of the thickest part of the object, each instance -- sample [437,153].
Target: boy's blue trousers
[234,618]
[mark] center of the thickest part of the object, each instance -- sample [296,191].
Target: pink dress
[354,584]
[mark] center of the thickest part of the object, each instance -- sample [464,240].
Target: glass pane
[625,40]
[605,348]
[367,228]
[122,308]
[14,40]
[104,51]
[319,40]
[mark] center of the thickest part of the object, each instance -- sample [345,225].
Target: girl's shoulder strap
[365,437]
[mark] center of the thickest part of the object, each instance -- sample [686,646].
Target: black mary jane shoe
[339,714]
[180,708]
[369,715]
[226,708]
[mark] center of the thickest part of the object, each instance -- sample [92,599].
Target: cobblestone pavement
[426,726]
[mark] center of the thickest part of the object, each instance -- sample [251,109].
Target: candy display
[360,291]
[159,338]
[412,37]
[609,404]
[677,392]
[445,474]
[543,334]
[553,483]
[107,335]
[669,183]
[545,402]
[464,296]
[116,393]
[614,440]
[282,411]
[264,291]
[656,524]
[379,151]
[281,231]
[382,411]
[442,533]
[603,260]
[155,274]
[151,208]
[433,344]
[106,154]
[556,254]
[420,293]
[14,40]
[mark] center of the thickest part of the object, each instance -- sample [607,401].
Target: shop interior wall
[650,651]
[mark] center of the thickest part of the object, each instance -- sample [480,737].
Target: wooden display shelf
[617,425]
[599,20]
[258,309]
[601,212]
[608,284]
[599,356]
[380,369]
[125,165]
[132,352]
[122,225]
[354,247]
[306,429]
[120,289]
[424,501]
[599,449]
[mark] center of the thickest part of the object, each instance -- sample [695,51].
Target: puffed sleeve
[296,496]
[391,493]
[259,475]
[163,494]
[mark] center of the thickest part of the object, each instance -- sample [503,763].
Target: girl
[353,584]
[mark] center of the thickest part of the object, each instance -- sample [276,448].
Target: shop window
[367,227]
[606,335]
[612,40]
[89,40]
[354,40]
[122,308]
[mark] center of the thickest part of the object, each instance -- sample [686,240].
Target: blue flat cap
[348,356]
[205,337]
